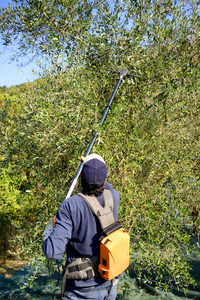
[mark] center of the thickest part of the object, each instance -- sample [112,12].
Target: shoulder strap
[104,214]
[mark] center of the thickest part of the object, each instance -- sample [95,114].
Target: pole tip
[123,72]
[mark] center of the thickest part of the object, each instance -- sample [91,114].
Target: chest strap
[104,213]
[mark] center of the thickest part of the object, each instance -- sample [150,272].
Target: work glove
[48,230]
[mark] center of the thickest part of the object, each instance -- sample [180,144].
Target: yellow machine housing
[114,254]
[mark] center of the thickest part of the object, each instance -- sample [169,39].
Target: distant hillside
[16,89]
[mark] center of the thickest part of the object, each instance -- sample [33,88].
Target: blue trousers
[98,292]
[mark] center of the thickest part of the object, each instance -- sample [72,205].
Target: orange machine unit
[114,254]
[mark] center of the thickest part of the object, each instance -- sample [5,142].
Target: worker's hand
[48,230]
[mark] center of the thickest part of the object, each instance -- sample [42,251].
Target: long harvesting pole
[123,73]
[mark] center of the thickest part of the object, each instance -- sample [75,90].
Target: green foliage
[151,152]
[9,195]
[94,32]
[150,140]
[13,208]
[44,27]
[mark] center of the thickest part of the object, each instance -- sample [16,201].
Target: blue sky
[10,72]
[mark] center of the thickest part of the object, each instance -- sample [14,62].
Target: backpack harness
[114,246]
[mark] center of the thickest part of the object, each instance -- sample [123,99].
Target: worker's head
[94,174]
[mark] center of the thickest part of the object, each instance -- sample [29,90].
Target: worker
[77,231]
